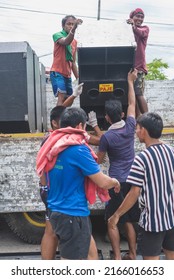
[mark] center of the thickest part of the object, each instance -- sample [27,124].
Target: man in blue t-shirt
[67,202]
[118,143]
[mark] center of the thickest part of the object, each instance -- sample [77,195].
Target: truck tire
[28,226]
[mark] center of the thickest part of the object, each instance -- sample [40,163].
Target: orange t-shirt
[59,59]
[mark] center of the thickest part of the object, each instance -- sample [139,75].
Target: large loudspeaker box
[22,89]
[104,70]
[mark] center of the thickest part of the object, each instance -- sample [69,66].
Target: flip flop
[126,256]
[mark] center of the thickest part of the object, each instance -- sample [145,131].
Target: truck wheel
[29,226]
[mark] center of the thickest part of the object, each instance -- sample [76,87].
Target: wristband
[71,32]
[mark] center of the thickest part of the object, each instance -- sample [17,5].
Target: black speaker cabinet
[104,70]
[20,88]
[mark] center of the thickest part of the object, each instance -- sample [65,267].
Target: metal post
[98,15]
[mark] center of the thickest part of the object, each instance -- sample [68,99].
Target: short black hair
[113,108]
[73,116]
[64,20]
[56,113]
[152,122]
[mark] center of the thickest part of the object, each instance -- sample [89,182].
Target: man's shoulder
[57,36]
[130,121]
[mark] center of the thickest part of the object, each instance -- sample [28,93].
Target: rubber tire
[28,226]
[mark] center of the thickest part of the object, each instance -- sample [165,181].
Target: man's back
[67,180]
[119,144]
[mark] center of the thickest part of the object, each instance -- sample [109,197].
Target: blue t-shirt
[67,181]
[119,144]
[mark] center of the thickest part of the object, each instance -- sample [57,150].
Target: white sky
[35,21]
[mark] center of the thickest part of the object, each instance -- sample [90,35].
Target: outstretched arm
[132,76]
[92,121]
[77,92]
[127,203]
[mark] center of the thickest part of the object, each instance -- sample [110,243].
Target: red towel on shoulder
[59,140]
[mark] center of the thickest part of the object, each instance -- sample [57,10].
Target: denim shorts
[74,235]
[139,84]
[61,84]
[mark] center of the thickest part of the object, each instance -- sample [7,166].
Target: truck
[22,134]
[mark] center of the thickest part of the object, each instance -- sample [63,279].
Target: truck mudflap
[28,226]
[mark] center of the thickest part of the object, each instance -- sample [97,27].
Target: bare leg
[138,113]
[114,237]
[142,104]
[61,99]
[93,253]
[151,257]
[49,243]
[131,238]
[169,254]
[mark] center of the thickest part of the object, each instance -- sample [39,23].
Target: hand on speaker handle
[78,90]
[92,119]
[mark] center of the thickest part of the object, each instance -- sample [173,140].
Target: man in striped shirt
[152,180]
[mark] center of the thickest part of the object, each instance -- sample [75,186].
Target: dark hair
[56,113]
[153,123]
[72,117]
[64,20]
[113,108]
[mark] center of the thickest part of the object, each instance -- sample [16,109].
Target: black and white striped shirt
[153,171]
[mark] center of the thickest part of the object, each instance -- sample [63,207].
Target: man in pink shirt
[64,59]
[141,34]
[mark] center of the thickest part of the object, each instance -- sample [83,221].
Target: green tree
[156,70]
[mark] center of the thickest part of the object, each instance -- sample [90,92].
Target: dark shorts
[139,84]
[61,84]
[116,199]
[74,235]
[152,243]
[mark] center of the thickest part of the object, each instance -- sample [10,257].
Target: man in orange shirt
[64,59]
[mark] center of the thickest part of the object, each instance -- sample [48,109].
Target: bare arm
[74,67]
[69,38]
[127,203]
[132,76]
[76,92]
[98,131]
[94,140]
[101,157]
[104,181]
[69,101]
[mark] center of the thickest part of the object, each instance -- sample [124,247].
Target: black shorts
[74,235]
[116,199]
[151,243]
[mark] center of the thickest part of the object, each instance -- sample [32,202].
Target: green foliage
[155,70]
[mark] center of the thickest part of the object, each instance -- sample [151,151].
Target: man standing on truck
[118,143]
[141,34]
[64,59]
[67,200]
